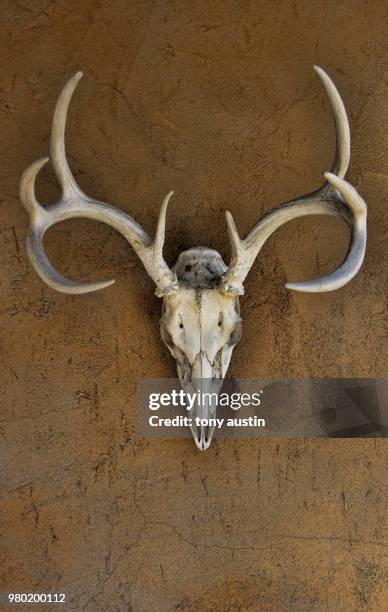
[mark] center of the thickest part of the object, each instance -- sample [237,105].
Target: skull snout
[205,385]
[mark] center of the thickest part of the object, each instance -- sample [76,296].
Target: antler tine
[165,279]
[57,140]
[335,197]
[161,229]
[342,132]
[27,187]
[74,203]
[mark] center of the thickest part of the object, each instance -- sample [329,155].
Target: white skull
[200,325]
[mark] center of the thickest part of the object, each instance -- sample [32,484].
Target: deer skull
[201,321]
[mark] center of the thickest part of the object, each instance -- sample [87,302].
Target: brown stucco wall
[219,102]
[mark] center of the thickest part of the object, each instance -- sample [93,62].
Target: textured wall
[219,102]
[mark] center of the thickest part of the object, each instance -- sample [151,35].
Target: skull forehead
[200,267]
[203,304]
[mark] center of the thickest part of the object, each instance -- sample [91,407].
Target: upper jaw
[205,379]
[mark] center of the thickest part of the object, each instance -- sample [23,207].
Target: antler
[74,203]
[335,197]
